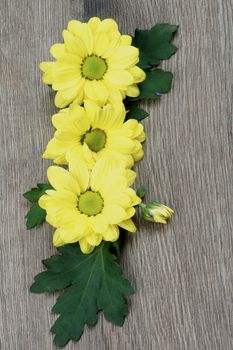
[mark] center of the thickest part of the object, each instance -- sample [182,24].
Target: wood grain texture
[182,272]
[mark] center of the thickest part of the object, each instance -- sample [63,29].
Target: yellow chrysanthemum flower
[91,132]
[95,62]
[89,206]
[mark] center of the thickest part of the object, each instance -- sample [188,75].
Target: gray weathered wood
[182,272]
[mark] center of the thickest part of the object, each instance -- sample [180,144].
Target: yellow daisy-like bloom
[95,62]
[89,207]
[91,132]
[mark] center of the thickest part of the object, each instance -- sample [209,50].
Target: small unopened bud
[156,212]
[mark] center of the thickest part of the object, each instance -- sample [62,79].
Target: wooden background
[182,272]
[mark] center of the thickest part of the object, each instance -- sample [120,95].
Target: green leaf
[155,44]
[35,216]
[35,193]
[135,112]
[92,282]
[141,191]
[157,82]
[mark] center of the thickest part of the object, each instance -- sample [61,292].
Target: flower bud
[156,212]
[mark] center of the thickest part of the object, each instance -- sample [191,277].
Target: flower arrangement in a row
[99,75]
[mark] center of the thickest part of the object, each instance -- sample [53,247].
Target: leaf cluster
[154,46]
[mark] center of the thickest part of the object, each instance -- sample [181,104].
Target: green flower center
[94,67]
[95,139]
[90,203]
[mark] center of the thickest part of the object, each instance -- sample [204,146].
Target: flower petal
[138,155]
[85,247]
[138,74]
[60,101]
[57,241]
[119,77]
[111,234]
[121,144]
[94,239]
[79,117]
[62,179]
[108,25]
[111,117]
[128,225]
[73,26]
[98,223]
[135,200]
[58,50]
[80,172]
[68,234]
[92,110]
[124,57]
[133,91]
[114,43]
[114,213]
[131,176]
[82,226]
[74,44]
[101,170]
[96,90]
[55,149]
[101,43]
[83,33]
[129,213]
[126,40]
[65,80]
[94,23]
[48,69]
